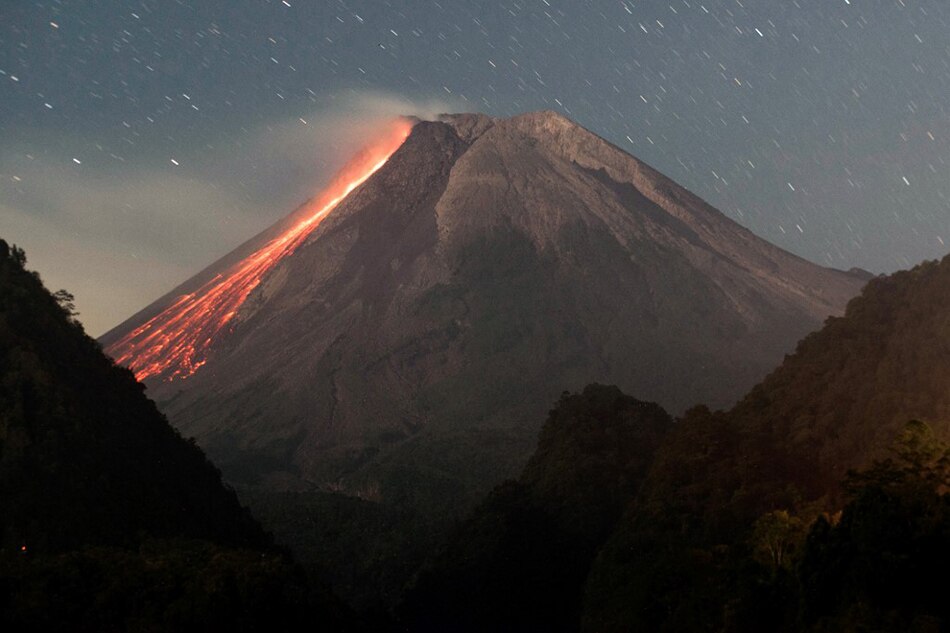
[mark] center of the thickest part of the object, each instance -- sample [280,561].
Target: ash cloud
[119,232]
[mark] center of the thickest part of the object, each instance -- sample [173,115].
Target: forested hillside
[110,520]
[520,561]
[836,404]
[818,503]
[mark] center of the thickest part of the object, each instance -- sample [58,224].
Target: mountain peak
[468,126]
[545,119]
[487,266]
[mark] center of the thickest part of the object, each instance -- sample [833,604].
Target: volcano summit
[419,331]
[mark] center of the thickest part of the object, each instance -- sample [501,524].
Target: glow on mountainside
[175,343]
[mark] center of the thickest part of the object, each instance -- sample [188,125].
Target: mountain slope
[110,520]
[815,504]
[838,401]
[419,332]
[837,404]
[885,362]
[85,458]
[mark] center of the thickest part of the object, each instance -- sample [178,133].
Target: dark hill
[835,405]
[849,388]
[85,457]
[519,563]
[818,503]
[109,520]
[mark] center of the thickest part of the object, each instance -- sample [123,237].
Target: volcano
[444,295]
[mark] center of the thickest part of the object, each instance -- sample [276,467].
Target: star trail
[140,140]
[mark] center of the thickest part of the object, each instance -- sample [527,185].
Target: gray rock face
[424,328]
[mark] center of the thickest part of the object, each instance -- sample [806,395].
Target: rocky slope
[408,349]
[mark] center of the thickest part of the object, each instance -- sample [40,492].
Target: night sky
[141,140]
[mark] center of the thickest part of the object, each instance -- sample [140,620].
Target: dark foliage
[161,586]
[110,520]
[674,563]
[738,525]
[875,566]
[519,563]
[364,549]
[879,567]
[85,457]
[837,403]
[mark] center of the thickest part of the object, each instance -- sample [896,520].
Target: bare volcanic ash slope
[419,332]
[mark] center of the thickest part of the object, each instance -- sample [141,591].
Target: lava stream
[174,343]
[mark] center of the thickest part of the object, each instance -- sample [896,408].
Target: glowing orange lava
[174,344]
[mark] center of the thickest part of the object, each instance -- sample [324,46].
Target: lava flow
[174,344]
